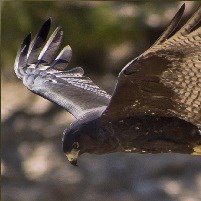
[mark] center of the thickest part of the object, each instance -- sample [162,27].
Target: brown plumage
[166,79]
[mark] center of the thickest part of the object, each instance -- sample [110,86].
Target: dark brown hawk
[155,107]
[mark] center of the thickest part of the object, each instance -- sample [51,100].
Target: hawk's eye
[75,145]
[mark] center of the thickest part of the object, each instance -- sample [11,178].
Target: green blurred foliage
[92,29]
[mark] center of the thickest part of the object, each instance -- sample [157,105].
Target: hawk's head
[79,139]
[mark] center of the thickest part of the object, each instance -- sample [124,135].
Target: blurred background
[104,37]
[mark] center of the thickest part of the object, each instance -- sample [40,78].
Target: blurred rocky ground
[33,166]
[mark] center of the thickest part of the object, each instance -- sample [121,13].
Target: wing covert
[166,79]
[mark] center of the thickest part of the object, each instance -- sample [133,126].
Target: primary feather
[47,76]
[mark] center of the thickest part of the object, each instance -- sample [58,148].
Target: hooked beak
[74,163]
[72,156]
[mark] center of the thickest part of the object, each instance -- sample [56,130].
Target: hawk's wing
[47,76]
[166,79]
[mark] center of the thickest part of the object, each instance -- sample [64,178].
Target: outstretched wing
[47,76]
[166,79]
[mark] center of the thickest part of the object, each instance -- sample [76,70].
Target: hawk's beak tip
[74,163]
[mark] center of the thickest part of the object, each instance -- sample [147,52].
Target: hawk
[156,104]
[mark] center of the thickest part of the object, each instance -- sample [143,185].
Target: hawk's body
[156,105]
[138,134]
